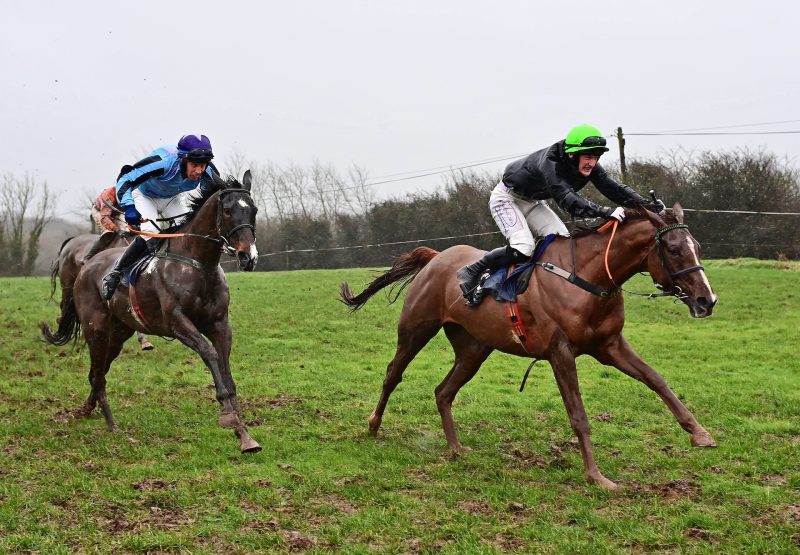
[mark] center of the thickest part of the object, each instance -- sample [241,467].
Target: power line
[728,126]
[448,166]
[742,212]
[714,133]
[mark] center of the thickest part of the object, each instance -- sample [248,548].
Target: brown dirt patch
[282,400]
[340,503]
[296,541]
[152,484]
[675,489]
[697,534]
[475,507]
[506,543]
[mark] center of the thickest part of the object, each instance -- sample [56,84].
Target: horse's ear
[247,180]
[219,183]
[677,211]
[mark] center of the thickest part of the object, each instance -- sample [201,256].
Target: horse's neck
[203,224]
[628,249]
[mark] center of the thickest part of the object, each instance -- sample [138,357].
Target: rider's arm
[617,192]
[133,176]
[105,204]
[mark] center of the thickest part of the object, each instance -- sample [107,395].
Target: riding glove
[132,216]
[617,213]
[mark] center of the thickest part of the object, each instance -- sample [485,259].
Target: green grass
[309,375]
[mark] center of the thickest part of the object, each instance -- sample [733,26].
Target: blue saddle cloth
[505,288]
[130,274]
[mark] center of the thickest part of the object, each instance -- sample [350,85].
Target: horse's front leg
[566,373]
[187,333]
[620,354]
[221,338]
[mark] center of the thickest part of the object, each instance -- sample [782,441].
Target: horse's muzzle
[701,307]
[247,262]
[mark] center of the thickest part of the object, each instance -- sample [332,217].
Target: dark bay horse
[69,262]
[181,293]
[563,320]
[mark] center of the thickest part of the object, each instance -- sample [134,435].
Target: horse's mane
[213,184]
[633,213]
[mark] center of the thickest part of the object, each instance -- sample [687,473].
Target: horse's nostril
[706,303]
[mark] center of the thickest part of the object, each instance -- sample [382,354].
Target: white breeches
[522,221]
[153,208]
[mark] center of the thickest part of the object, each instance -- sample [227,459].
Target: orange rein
[603,228]
[161,235]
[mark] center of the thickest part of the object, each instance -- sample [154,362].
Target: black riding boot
[100,244]
[470,275]
[131,255]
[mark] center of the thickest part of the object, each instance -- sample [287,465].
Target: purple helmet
[196,149]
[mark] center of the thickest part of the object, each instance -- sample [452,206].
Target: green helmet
[584,137]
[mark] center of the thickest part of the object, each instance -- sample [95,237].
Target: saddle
[504,286]
[131,273]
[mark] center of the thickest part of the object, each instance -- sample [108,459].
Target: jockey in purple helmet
[154,187]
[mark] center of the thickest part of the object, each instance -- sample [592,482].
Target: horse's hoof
[146,345]
[603,482]
[250,446]
[703,439]
[374,425]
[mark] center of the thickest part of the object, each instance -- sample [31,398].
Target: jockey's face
[586,162]
[194,170]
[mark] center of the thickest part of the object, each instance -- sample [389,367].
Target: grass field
[309,375]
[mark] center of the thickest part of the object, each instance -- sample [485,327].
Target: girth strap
[186,260]
[576,280]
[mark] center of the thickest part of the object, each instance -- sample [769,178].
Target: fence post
[622,167]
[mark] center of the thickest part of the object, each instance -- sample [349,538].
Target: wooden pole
[623,168]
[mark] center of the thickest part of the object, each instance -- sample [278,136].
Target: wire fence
[721,233]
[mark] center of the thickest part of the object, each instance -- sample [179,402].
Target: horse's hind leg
[410,341]
[470,354]
[144,343]
[105,344]
[621,355]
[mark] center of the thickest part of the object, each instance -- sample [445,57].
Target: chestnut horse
[563,320]
[69,262]
[181,293]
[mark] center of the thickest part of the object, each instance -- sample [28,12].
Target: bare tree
[360,196]
[236,164]
[25,209]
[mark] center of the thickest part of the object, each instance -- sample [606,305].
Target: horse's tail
[69,326]
[406,266]
[55,268]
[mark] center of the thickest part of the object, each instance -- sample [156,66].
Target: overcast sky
[390,86]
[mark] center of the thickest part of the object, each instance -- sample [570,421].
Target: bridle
[673,289]
[224,238]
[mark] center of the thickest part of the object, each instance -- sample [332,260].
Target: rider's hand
[132,216]
[617,213]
